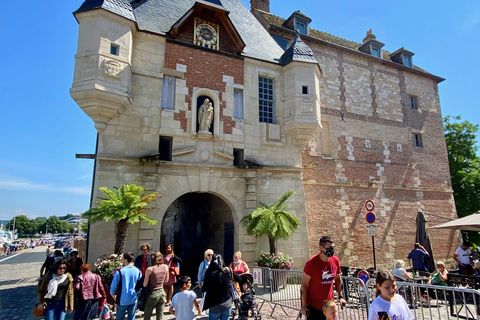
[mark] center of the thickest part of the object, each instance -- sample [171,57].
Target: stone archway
[195,222]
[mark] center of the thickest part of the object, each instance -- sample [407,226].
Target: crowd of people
[16,246]
[146,282]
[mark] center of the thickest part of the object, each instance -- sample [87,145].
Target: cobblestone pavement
[18,283]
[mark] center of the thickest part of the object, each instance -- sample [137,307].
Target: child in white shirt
[183,302]
[388,305]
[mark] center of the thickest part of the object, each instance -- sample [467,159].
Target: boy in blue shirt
[183,302]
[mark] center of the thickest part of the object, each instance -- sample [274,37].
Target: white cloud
[12,183]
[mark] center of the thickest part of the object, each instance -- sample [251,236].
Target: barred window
[266,100]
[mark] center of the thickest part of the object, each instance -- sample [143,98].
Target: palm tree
[272,221]
[125,205]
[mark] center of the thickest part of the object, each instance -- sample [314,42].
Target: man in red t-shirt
[320,273]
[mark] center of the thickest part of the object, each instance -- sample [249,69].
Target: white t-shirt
[182,302]
[397,309]
[399,272]
[463,255]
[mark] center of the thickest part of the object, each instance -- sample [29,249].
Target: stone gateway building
[220,108]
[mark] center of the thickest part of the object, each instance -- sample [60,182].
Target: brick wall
[205,69]
[371,128]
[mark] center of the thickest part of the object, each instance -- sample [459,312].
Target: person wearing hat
[74,264]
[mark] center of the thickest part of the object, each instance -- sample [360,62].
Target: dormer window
[371,45]
[298,21]
[403,57]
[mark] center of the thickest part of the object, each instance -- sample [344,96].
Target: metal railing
[281,288]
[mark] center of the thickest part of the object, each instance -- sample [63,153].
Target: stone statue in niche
[205,116]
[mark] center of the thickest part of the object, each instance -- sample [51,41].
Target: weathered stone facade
[346,140]
[366,151]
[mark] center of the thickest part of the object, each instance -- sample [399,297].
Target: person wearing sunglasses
[142,262]
[55,292]
[202,268]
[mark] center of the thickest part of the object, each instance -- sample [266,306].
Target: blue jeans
[55,310]
[220,316]
[121,310]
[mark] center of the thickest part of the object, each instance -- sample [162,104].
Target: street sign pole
[372,226]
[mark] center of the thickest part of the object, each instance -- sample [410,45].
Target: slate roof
[298,51]
[158,16]
[120,7]
[272,19]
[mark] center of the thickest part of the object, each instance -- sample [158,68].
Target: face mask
[329,252]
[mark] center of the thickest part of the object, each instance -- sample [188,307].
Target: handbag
[174,269]
[105,313]
[38,312]
[142,299]
[177,269]
[118,292]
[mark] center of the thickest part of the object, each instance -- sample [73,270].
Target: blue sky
[42,127]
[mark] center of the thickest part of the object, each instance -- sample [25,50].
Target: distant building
[336,121]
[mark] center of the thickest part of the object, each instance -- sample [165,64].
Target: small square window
[407,61]
[417,140]
[304,89]
[376,52]
[238,157]
[165,148]
[301,26]
[114,49]
[413,102]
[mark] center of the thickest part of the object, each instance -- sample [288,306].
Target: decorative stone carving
[205,116]
[204,155]
[306,106]
[113,69]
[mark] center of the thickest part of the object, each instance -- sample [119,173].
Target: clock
[206,34]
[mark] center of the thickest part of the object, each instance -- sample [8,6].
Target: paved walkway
[18,283]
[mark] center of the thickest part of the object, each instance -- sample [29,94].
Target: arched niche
[213,96]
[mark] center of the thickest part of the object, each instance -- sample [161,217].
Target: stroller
[246,307]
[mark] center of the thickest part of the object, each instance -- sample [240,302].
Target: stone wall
[366,151]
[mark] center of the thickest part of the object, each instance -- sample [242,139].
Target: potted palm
[125,205]
[276,223]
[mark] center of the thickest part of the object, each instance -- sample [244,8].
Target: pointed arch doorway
[195,222]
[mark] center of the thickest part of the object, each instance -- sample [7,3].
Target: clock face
[206,34]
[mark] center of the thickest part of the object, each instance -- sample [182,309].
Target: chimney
[263,5]
[370,36]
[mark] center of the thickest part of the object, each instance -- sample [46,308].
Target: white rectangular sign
[372,229]
[257,276]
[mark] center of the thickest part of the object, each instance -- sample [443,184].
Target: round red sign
[370,217]
[369,205]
